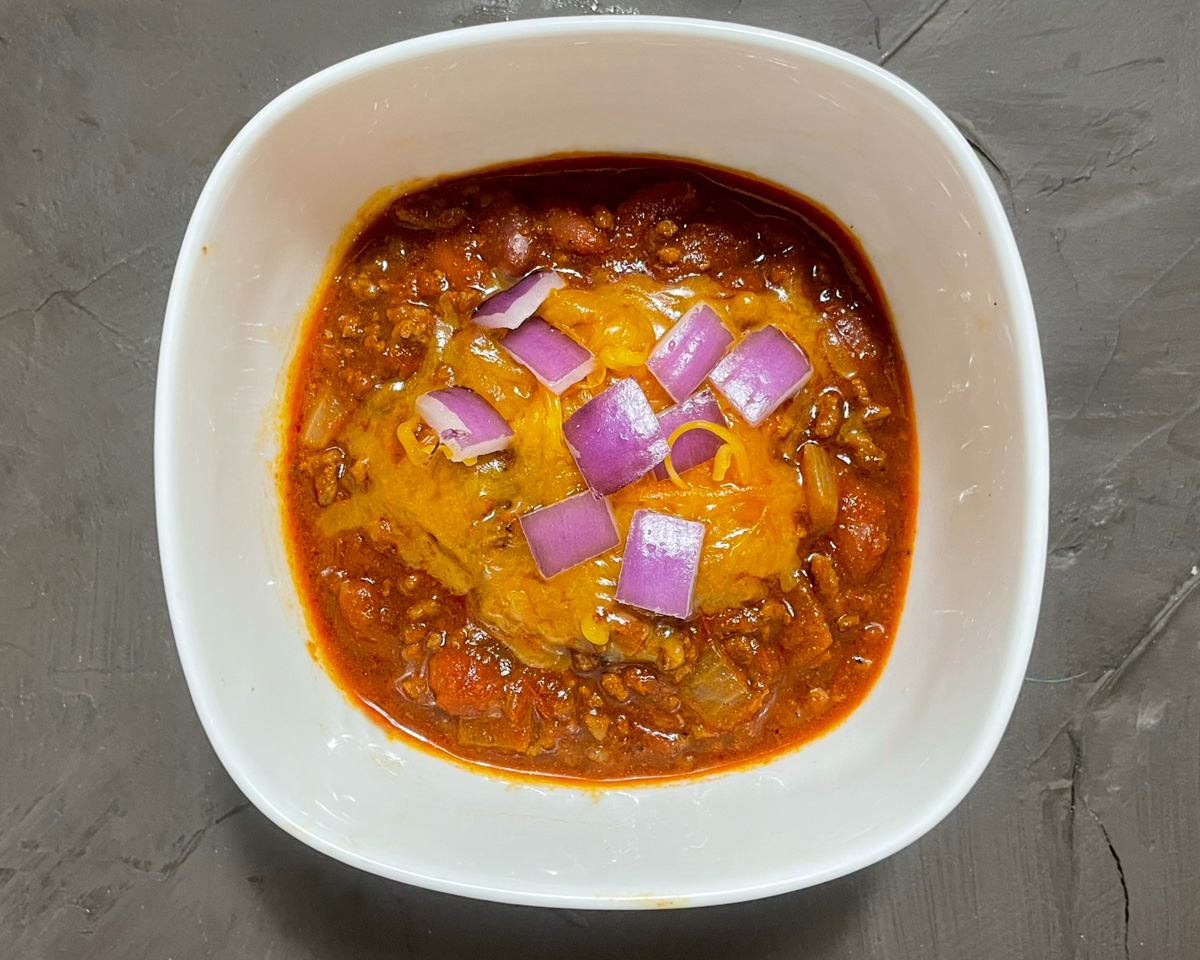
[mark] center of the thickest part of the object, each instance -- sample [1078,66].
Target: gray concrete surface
[120,834]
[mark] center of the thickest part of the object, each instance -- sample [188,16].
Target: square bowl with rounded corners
[821,122]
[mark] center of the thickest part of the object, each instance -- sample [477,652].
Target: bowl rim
[1031,394]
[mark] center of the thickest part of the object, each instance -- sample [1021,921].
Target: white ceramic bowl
[826,124]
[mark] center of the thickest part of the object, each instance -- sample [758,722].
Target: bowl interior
[807,117]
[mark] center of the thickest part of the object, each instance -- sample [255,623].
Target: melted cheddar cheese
[459,522]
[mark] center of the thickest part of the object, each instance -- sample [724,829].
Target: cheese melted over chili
[423,597]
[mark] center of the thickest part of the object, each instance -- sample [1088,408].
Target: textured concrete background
[120,834]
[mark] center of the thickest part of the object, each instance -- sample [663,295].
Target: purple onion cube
[553,357]
[466,423]
[696,446]
[662,557]
[564,534]
[510,308]
[688,351]
[761,372]
[615,437]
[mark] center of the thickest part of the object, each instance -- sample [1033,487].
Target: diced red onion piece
[551,356]
[510,308]
[695,446]
[615,437]
[466,423]
[688,351]
[569,532]
[658,571]
[762,371]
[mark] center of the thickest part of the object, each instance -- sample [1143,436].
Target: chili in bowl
[601,467]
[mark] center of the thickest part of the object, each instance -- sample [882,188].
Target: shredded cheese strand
[721,461]
[594,631]
[416,451]
[737,452]
[674,474]
[596,377]
[554,418]
[622,357]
